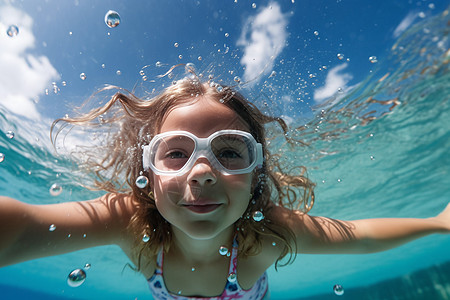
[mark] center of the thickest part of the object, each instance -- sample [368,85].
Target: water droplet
[84,235]
[253,5]
[52,228]
[316,33]
[76,278]
[55,190]
[10,134]
[141,182]
[179,292]
[193,269]
[176,45]
[257,216]
[338,290]
[12,31]
[87,266]
[145,238]
[82,76]
[227,34]
[223,250]
[2,157]
[340,56]
[118,72]
[199,58]
[232,277]
[237,79]
[373,59]
[112,19]
[274,244]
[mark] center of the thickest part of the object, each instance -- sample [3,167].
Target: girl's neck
[201,250]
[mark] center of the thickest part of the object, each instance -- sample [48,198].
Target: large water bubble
[223,250]
[12,31]
[257,216]
[55,190]
[112,19]
[76,278]
[338,290]
[141,181]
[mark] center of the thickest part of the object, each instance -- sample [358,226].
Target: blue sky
[297,40]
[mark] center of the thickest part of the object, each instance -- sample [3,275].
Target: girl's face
[202,202]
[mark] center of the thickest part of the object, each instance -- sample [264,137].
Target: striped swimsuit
[232,289]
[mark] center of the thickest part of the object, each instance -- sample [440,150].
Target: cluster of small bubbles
[87,266]
[145,238]
[340,56]
[141,181]
[316,33]
[2,157]
[258,216]
[112,19]
[10,134]
[373,59]
[223,250]
[372,157]
[158,64]
[199,58]
[118,72]
[176,45]
[82,76]
[12,31]
[232,277]
[55,88]
[338,290]
[312,75]
[64,83]
[52,228]
[55,190]
[76,278]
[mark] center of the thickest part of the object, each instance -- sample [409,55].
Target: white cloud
[23,76]
[404,24]
[263,38]
[333,83]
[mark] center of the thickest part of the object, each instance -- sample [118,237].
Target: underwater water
[374,131]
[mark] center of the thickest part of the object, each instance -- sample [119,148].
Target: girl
[205,209]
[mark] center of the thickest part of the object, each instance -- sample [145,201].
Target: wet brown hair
[131,122]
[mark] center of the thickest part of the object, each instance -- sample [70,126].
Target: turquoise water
[368,160]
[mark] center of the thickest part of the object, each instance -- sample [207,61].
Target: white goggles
[228,151]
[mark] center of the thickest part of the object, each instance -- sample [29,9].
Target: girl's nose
[202,173]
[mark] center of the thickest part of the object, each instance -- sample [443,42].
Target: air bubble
[176,45]
[253,5]
[340,56]
[237,79]
[199,58]
[158,64]
[141,181]
[82,76]
[273,74]
[227,34]
[76,278]
[180,56]
[141,72]
[373,59]
[87,266]
[145,238]
[316,33]
[257,216]
[193,269]
[372,157]
[10,134]
[232,277]
[118,72]
[112,19]
[219,88]
[52,228]
[338,290]
[223,250]
[274,244]
[12,31]
[55,190]
[2,157]
[189,68]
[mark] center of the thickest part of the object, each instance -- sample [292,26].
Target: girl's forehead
[203,117]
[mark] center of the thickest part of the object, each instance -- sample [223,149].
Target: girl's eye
[176,154]
[229,154]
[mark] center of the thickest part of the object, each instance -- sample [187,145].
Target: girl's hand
[444,219]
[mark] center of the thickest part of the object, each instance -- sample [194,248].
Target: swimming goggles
[174,153]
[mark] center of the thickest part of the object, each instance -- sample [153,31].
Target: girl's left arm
[325,235]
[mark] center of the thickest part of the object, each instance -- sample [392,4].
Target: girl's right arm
[32,231]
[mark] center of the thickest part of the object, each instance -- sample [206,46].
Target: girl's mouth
[202,208]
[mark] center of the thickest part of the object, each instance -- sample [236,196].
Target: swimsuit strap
[233,260]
